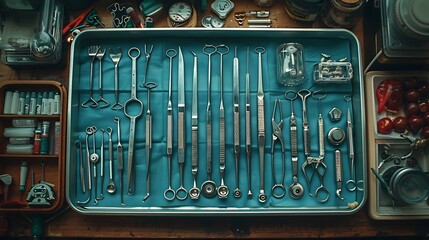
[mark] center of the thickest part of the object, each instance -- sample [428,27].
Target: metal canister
[303,10]
[342,13]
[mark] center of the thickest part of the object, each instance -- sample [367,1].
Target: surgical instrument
[236,89]
[88,132]
[248,130]
[101,196]
[303,94]
[92,53]
[351,184]
[116,57]
[261,127]
[111,188]
[119,151]
[296,190]
[94,158]
[278,189]
[133,53]
[339,174]
[81,168]
[169,193]
[222,190]
[100,55]
[181,192]
[194,192]
[209,187]
[149,86]
[147,55]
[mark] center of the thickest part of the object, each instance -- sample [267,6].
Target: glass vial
[264,3]
[303,10]
[290,64]
[342,13]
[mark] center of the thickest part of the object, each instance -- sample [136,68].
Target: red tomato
[385,125]
[412,109]
[400,124]
[424,106]
[415,123]
[412,95]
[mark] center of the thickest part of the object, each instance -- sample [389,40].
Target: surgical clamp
[147,55]
[296,190]
[116,57]
[222,190]
[209,187]
[149,86]
[236,89]
[194,192]
[169,193]
[278,189]
[133,115]
[248,130]
[261,127]
[119,150]
[181,192]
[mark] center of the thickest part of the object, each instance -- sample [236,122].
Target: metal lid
[413,16]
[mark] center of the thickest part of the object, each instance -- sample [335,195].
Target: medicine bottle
[342,13]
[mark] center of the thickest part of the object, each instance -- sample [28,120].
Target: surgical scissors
[261,126]
[278,189]
[169,193]
[295,189]
[181,192]
[351,184]
[209,187]
[133,53]
[222,190]
[194,192]
[147,55]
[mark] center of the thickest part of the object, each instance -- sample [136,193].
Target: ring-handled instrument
[222,190]
[208,189]
[296,190]
[194,192]
[149,86]
[278,189]
[94,159]
[101,196]
[169,193]
[248,130]
[181,192]
[262,197]
[119,150]
[147,54]
[111,187]
[303,94]
[133,108]
[236,105]
[352,183]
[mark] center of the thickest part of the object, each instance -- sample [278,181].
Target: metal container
[338,43]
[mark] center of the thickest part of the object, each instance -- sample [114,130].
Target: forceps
[303,94]
[181,192]
[278,189]
[351,184]
[209,187]
[136,104]
[169,193]
[261,126]
[89,131]
[147,54]
[222,190]
[194,192]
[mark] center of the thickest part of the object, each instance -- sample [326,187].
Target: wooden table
[71,224]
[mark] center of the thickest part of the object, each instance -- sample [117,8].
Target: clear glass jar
[342,13]
[303,10]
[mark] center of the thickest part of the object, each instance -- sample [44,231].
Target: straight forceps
[208,188]
[133,108]
[222,190]
[278,189]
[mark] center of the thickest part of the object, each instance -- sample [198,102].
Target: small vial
[342,13]
[44,143]
[7,102]
[56,107]
[15,103]
[290,64]
[37,139]
[21,103]
[33,100]
[57,140]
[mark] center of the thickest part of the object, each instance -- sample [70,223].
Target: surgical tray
[338,43]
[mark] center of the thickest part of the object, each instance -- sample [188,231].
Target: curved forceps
[133,53]
[278,189]
[208,188]
[147,55]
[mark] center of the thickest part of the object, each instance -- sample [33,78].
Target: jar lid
[415,17]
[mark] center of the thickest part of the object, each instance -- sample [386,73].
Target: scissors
[278,189]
